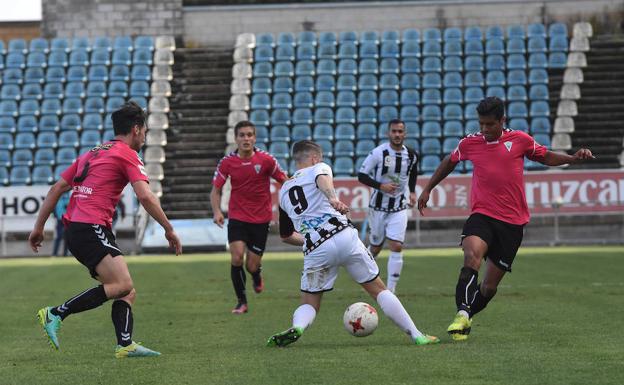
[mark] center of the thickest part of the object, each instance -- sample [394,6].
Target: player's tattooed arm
[326,185]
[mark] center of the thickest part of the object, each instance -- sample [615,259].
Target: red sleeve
[276,171]
[459,153]
[221,174]
[132,167]
[534,150]
[70,173]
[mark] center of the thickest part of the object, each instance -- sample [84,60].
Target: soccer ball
[360,319]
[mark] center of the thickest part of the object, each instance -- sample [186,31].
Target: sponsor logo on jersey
[313,223]
[387,161]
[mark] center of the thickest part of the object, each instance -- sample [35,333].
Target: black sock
[466,288]
[479,303]
[257,278]
[87,300]
[121,313]
[238,280]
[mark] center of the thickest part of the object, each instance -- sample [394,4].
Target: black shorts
[253,234]
[503,239]
[90,243]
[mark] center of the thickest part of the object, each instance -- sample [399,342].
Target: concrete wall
[69,18]
[221,24]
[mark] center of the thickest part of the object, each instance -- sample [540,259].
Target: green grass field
[556,320]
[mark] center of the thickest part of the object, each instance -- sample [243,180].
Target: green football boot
[286,337]
[134,350]
[426,340]
[460,327]
[51,325]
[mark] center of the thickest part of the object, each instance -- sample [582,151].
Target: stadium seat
[29,107]
[139,88]
[557,60]
[15,60]
[71,106]
[410,81]
[60,44]
[474,48]
[410,66]
[367,115]
[471,126]
[431,129]
[280,133]
[343,167]
[42,175]
[144,42]
[470,111]
[265,39]
[366,131]
[79,74]
[327,67]
[519,124]
[389,98]
[538,92]
[262,134]
[387,114]
[97,73]
[53,91]
[260,102]
[431,146]
[260,118]
[474,79]
[36,59]
[431,48]
[283,84]
[517,94]
[92,121]
[410,113]
[22,157]
[431,112]
[27,123]
[538,60]
[344,148]
[32,91]
[20,176]
[497,91]
[6,141]
[367,99]
[389,66]
[102,42]
[452,48]
[537,45]
[280,150]
[473,95]
[536,30]
[473,33]
[368,66]
[432,64]
[10,92]
[540,125]
[453,64]
[301,132]
[452,112]
[517,110]
[515,45]
[305,51]
[538,76]
[18,46]
[100,56]
[516,77]
[281,117]
[323,115]
[539,109]
[516,62]
[263,69]
[516,32]
[368,82]
[323,132]
[368,50]
[94,104]
[4,175]
[46,156]
[124,57]
[386,82]
[121,73]
[75,90]
[7,125]
[449,145]
[432,80]
[306,37]
[453,128]
[286,38]
[303,116]
[410,97]
[123,43]
[363,147]
[452,80]
[25,140]
[281,100]
[261,85]
[431,96]
[325,83]
[303,99]
[71,122]
[8,108]
[34,76]
[79,57]
[347,67]
[452,33]
[90,138]
[557,29]
[495,47]
[51,107]
[347,50]
[346,99]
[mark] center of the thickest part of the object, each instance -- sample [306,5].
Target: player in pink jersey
[250,211]
[97,179]
[499,209]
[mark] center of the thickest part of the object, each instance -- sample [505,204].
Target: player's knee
[252,266]
[396,247]
[124,288]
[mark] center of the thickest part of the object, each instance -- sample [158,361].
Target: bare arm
[558,158]
[151,204]
[54,194]
[444,169]
[215,203]
[326,185]
[295,239]
[287,230]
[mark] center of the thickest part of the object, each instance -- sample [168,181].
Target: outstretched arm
[558,158]
[326,185]
[444,169]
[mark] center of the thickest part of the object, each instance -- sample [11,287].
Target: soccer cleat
[286,337]
[51,324]
[259,287]
[134,350]
[460,327]
[240,308]
[426,340]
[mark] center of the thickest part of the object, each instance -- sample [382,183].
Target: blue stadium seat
[536,30]
[141,101]
[432,34]
[368,66]
[90,138]
[265,39]
[495,47]
[473,33]
[51,107]
[301,132]
[410,97]
[390,50]
[79,74]
[20,176]
[452,33]
[410,81]
[346,99]
[326,51]
[431,146]
[328,38]
[452,48]
[8,108]
[432,64]
[305,51]
[474,47]
[452,64]
[367,99]
[18,46]
[284,68]
[323,132]
[412,144]
[327,67]
[139,88]
[286,38]
[60,44]
[470,111]
[282,53]
[283,84]
[46,156]
[7,125]
[538,60]
[55,74]
[56,59]
[34,76]
[516,77]
[303,99]
[22,156]
[102,42]
[323,115]
[261,85]
[145,42]
[11,92]
[431,129]
[53,90]
[410,49]
[367,82]
[78,57]
[410,113]
[366,131]
[263,69]
[27,123]
[3,50]
[124,57]
[538,92]
[474,79]
[260,117]
[452,112]
[348,50]
[36,59]
[516,62]
[497,91]
[71,122]
[519,124]
[343,167]
[557,29]
[81,43]
[92,121]
[304,115]
[495,31]
[389,98]
[123,43]
[29,107]
[432,80]
[280,150]
[6,141]
[72,106]
[516,32]
[410,66]
[4,175]
[363,147]
[97,74]
[386,82]
[516,46]
[387,114]
[431,96]
[328,150]
[391,36]
[452,96]
[280,133]
[540,125]
[95,105]
[325,83]
[100,56]
[537,45]
[539,108]
[280,100]
[517,110]
[280,117]
[68,142]
[306,37]
[557,60]
[347,67]
[369,37]
[411,34]
[344,148]
[15,60]
[75,90]
[369,50]
[263,53]
[389,66]
[452,79]
[538,76]
[42,175]
[32,91]
[471,127]
[262,134]
[304,84]
[473,95]
[453,128]
[431,48]
[449,145]
[367,115]
[25,140]
[121,73]
[517,94]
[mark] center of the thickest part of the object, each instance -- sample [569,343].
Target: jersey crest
[257,167]
[508,146]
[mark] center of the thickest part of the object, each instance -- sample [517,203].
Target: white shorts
[320,266]
[383,224]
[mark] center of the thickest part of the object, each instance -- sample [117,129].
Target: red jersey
[250,199]
[98,178]
[497,179]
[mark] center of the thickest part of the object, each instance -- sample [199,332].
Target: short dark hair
[302,149]
[396,121]
[243,123]
[491,106]
[130,114]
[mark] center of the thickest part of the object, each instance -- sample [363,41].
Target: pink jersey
[497,180]
[98,178]
[250,199]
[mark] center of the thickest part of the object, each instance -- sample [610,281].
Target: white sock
[395,264]
[304,316]
[464,313]
[393,308]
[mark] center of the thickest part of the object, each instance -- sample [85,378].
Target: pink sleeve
[133,168]
[534,150]
[459,152]
[70,173]
[221,174]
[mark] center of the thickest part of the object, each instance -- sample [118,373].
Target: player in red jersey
[499,209]
[97,179]
[250,211]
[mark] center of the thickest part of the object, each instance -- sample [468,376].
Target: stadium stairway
[599,124]
[198,123]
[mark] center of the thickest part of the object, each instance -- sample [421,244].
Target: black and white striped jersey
[386,165]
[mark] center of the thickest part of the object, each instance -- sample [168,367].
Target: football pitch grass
[557,319]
